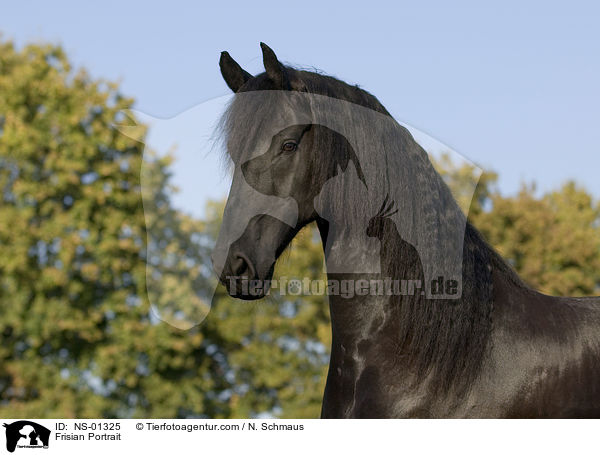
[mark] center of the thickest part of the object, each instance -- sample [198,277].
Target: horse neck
[350,257]
[449,335]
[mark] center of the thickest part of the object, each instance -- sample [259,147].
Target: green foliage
[553,242]
[78,337]
[277,349]
[470,187]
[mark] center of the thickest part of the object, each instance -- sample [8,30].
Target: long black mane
[446,337]
[486,346]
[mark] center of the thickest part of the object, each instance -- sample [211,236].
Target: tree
[276,349]
[552,241]
[470,187]
[79,338]
[82,230]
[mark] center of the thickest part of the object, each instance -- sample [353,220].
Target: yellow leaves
[324,334]
[90,272]
[52,276]
[130,127]
[72,178]
[469,188]
[81,302]
[552,241]
[67,280]
[105,169]
[127,244]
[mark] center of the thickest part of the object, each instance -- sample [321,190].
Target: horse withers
[310,148]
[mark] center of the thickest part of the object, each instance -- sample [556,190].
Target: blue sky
[511,86]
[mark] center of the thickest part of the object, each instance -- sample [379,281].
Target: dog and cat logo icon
[25,434]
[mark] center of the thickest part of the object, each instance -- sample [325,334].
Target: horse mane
[456,332]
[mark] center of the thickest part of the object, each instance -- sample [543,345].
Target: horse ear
[275,70]
[233,73]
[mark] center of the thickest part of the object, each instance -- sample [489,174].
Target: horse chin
[244,289]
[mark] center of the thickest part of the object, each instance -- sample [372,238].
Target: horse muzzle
[241,278]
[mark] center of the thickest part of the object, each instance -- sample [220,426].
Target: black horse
[489,347]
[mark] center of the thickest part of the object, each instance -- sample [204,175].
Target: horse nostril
[241,266]
[238,266]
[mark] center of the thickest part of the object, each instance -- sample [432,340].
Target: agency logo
[25,434]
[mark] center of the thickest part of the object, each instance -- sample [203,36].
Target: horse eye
[289,146]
